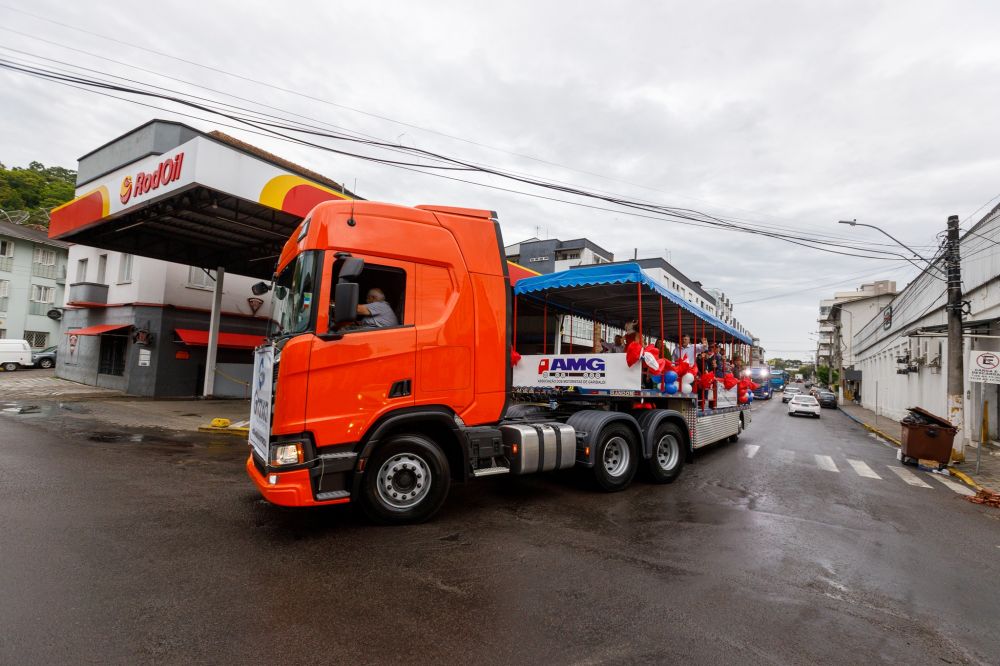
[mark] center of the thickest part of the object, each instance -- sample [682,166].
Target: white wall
[161,283]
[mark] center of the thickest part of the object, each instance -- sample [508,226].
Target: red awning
[99,329]
[198,338]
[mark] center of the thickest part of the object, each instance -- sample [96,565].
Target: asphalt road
[139,546]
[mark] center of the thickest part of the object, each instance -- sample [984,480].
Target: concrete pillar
[213,333]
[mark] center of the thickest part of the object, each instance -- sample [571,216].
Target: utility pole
[956,353]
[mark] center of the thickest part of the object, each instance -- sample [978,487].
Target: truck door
[369,371]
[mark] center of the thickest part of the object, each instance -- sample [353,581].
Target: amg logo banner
[595,371]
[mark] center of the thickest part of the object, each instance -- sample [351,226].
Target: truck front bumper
[292,488]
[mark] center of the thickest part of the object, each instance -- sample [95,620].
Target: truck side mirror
[345,303]
[260,288]
[351,269]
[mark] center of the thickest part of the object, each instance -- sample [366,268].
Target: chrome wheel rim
[668,452]
[616,456]
[404,481]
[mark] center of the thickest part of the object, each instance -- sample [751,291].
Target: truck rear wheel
[668,453]
[406,481]
[617,458]
[10,367]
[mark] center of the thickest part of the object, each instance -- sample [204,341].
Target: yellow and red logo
[167,171]
[126,192]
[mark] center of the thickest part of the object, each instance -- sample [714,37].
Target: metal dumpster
[927,436]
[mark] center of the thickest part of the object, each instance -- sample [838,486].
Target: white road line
[957,487]
[908,476]
[752,450]
[862,469]
[826,462]
[786,455]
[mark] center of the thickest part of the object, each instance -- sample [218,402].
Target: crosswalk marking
[862,469]
[908,476]
[752,450]
[957,487]
[826,462]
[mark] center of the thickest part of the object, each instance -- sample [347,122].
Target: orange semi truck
[390,415]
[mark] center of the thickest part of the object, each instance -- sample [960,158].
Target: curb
[869,427]
[961,476]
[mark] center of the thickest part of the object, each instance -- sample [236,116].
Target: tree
[826,376]
[29,194]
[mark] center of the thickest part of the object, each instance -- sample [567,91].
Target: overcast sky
[785,114]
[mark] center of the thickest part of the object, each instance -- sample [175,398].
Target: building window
[200,278]
[6,255]
[37,339]
[112,358]
[125,268]
[81,270]
[43,263]
[4,294]
[44,257]
[102,268]
[40,294]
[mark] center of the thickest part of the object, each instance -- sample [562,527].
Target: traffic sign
[985,368]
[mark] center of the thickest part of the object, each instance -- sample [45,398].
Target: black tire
[616,457]
[46,363]
[667,461]
[10,367]
[406,481]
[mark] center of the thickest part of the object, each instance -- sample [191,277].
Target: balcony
[88,292]
[47,270]
[36,308]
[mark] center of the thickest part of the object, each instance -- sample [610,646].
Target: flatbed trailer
[473,380]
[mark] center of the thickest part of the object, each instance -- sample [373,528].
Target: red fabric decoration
[682,368]
[663,367]
[753,386]
[729,381]
[515,358]
[743,398]
[632,353]
[706,380]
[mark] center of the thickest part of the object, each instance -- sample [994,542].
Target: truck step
[331,495]
[490,471]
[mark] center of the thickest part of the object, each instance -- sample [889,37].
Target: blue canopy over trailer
[624,293]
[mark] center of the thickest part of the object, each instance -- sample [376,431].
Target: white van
[14,354]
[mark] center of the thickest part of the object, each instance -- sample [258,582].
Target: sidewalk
[989,471]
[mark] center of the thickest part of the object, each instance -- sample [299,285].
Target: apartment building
[32,284]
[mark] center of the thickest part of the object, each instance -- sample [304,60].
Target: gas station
[170,192]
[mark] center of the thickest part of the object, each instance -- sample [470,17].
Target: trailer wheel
[617,458]
[668,453]
[406,481]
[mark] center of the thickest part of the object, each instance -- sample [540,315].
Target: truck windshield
[293,297]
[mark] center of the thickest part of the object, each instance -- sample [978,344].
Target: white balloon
[686,389]
[688,378]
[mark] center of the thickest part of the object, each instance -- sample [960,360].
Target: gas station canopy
[195,198]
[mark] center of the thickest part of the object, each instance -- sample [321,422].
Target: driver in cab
[376,312]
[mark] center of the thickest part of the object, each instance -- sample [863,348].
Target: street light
[855,223]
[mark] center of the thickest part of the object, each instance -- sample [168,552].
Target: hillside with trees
[28,194]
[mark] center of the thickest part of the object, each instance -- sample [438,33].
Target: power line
[682,215]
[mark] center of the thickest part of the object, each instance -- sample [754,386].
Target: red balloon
[729,381]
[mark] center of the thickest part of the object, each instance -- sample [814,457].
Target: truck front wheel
[406,481]
[617,458]
[668,453]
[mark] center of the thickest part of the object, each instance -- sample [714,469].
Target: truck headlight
[286,454]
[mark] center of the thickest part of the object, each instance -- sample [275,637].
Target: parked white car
[804,404]
[14,354]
